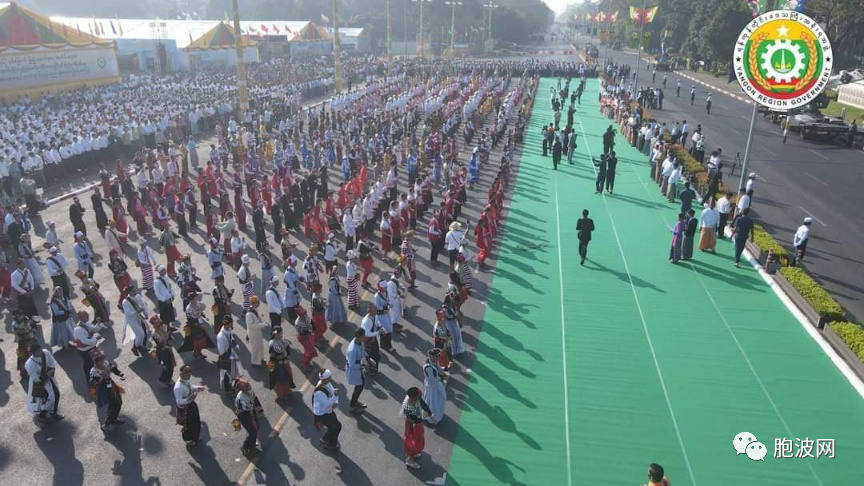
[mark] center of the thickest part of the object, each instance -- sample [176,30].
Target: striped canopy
[221,36]
[23,29]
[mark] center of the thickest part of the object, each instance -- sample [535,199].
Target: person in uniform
[106,393]
[355,353]
[247,408]
[325,400]
[188,416]
[802,236]
[281,377]
[413,407]
[226,342]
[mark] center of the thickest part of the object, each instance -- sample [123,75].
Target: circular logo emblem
[783,59]
[101,62]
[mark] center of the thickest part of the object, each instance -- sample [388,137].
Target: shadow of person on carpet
[624,276]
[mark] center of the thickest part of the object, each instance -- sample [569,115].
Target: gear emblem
[791,64]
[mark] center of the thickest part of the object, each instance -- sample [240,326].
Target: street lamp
[421,49]
[490,6]
[453,4]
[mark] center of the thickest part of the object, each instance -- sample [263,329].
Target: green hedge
[853,335]
[767,243]
[694,169]
[824,304]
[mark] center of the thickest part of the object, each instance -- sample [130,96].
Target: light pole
[642,18]
[337,55]
[389,39]
[453,4]
[490,6]
[242,86]
[421,49]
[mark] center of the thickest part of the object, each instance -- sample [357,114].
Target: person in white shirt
[325,401]
[751,184]
[188,416]
[135,317]
[86,337]
[24,286]
[164,290]
[453,240]
[56,265]
[43,392]
[724,207]
[710,220]
[349,227]
[744,201]
[227,361]
[275,303]
[802,236]
[83,254]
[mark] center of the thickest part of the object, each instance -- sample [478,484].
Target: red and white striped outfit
[352,279]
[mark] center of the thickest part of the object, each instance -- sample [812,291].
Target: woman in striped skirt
[145,261]
[465,273]
[244,275]
[352,278]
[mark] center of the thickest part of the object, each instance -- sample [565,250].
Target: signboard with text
[47,67]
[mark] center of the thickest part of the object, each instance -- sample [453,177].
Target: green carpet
[663,363]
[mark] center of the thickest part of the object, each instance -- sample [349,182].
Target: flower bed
[767,243]
[816,296]
[852,335]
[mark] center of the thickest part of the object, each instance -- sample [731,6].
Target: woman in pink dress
[120,221]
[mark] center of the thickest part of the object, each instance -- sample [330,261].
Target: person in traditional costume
[463,259]
[168,240]
[93,298]
[188,416]
[291,297]
[56,264]
[221,303]
[62,319]
[441,340]
[434,392]
[238,246]
[24,286]
[165,293]
[281,377]
[386,235]
[413,407]
[85,338]
[106,393]
[451,320]
[351,279]
[336,312]
[319,310]
[25,251]
[226,343]
[119,271]
[325,401]
[255,329]
[267,271]
[306,338]
[214,259]
[382,306]
[367,263]
[312,269]
[164,351]
[355,354]
[409,256]
[114,238]
[196,338]
[25,329]
[395,296]
[146,259]
[43,392]
[135,316]
[247,408]
[677,239]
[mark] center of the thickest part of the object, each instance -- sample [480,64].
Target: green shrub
[824,304]
[696,170]
[853,335]
[767,243]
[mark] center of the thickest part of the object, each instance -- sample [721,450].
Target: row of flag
[641,16]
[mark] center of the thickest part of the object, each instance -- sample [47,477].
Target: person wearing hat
[245,277]
[255,329]
[135,317]
[25,251]
[165,293]
[355,353]
[43,392]
[106,393]
[247,408]
[281,377]
[188,416]
[275,303]
[145,258]
[226,342]
[413,407]
[434,393]
[802,236]
[85,338]
[351,280]
[325,401]
[291,297]
[164,351]
[382,305]
[83,254]
[750,185]
[214,259]
[331,250]
[453,240]
[51,237]
[56,264]
[196,338]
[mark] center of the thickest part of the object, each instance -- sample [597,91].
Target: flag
[90,26]
[120,26]
[276,29]
[101,28]
[325,19]
[64,31]
[191,40]
[79,28]
[112,27]
[288,29]
[264,28]
[598,17]
[588,17]
[641,16]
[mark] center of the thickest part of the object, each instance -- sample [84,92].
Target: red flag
[264,28]
[276,29]
[287,29]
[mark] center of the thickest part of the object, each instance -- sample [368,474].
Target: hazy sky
[558,6]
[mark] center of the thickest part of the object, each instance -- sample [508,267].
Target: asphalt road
[795,180]
[148,449]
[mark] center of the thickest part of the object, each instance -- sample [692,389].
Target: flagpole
[642,19]
[748,147]
[337,64]
[242,86]
[389,39]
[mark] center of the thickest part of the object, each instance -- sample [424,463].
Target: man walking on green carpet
[584,227]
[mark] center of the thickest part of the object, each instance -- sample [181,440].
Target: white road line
[820,181]
[769,151]
[644,323]
[744,117]
[750,365]
[812,216]
[820,155]
[563,339]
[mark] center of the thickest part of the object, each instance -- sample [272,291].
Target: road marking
[769,151]
[820,181]
[563,337]
[644,322]
[744,117]
[812,216]
[820,155]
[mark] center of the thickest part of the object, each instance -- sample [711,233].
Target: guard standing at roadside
[802,236]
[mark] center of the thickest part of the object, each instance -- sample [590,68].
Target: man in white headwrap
[325,400]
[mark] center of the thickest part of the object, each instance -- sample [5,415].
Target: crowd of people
[349,184]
